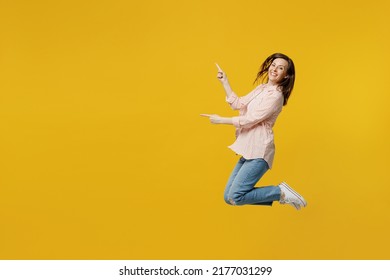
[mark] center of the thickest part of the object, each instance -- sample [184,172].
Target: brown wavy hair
[287,84]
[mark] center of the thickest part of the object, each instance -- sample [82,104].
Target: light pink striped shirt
[258,112]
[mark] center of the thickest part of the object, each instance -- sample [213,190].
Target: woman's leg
[231,179]
[242,190]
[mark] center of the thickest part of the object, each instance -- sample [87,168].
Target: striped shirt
[258,112]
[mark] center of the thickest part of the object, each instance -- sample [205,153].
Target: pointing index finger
[219,68]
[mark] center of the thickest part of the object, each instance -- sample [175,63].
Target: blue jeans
[240,188]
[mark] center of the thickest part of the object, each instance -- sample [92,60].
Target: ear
[286,77]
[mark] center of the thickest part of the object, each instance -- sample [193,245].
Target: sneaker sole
[304,203]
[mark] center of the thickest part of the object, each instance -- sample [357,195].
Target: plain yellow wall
[103,154]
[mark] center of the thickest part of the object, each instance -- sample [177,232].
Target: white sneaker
[291,197]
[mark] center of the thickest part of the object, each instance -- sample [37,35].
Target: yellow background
[103,154]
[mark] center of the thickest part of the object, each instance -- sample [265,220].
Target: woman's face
[277,72]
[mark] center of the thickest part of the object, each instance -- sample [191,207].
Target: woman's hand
[215,119]
[221,76]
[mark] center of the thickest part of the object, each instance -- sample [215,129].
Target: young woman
[254,135]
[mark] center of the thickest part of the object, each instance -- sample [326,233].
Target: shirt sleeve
[236,103]
[268,106]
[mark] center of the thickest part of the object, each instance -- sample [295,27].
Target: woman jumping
[254,135]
